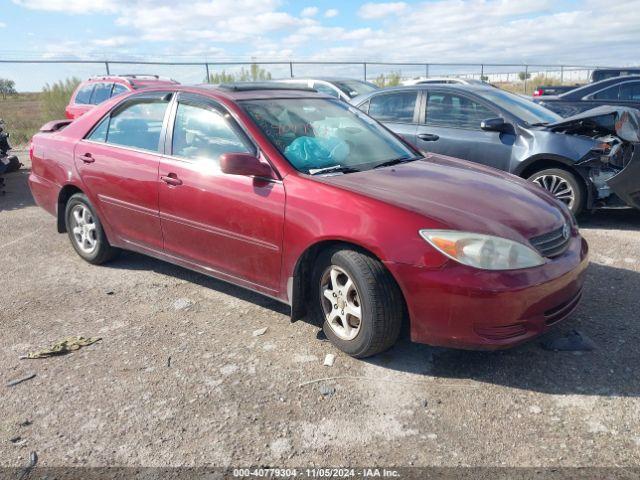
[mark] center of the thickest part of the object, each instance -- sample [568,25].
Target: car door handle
[171,179]
[428,137]
[87,158]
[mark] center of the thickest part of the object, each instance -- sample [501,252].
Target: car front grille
[553,243]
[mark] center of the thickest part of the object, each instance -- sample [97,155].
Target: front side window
[393,107]
[203,133]
[315,134]
[630,92]
[451,110]
[524,109]
[83,97]
[101,92]
[138,124]
[610,93]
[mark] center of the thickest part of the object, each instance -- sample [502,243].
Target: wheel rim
[341,303]
[83,227]
[558,187]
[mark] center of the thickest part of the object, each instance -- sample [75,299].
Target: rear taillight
[537,93]
[31,151]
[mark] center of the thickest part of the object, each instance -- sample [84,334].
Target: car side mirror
[244,164]
[495,125]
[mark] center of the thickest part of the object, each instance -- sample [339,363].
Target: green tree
[55,97]
[524,76]
[390,80]
[7,87]
[253,74]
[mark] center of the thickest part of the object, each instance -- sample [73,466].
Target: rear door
[230,225]
[450,125]
[118,163]
[398,111]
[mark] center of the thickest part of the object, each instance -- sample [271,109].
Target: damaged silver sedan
[586,161]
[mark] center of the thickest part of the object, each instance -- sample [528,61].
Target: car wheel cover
[83,227]
[341,303]
[558,187]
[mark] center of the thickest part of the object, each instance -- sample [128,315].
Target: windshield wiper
[333,169]
[396,161]
[539,124]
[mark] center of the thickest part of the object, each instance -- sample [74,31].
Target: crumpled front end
[614,162]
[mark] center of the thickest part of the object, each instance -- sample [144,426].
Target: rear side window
[201,133]
[101,92]
[83,97]
[118,88]
[138,125]
[99,133]
[451,110]
[393,107]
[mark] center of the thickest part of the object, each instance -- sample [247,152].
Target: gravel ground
[179,379]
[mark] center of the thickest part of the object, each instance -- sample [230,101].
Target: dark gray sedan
[587,161]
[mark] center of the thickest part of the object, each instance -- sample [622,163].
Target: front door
[230,225]
[118,162]
[451,126]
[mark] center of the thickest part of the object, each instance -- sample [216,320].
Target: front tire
[563,185]
[358,302]
[85,231]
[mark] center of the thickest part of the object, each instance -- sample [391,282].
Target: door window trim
[212,104]
[124,104]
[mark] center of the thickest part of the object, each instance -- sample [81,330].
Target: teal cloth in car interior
[311,152]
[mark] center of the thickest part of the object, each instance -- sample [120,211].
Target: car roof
[461,87]
[246,90]
[135,80]
[325,79]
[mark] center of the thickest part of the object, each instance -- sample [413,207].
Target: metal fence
[48,71]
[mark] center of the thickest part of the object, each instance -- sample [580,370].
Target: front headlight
[482,251]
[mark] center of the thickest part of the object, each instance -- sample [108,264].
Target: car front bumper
[462,307]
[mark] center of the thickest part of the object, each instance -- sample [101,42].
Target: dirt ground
[179,379]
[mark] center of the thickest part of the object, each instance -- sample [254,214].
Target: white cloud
[332,12]
[309,12]
[380,10]
[69,6]
[2,25]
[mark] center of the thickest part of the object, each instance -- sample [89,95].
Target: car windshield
[318,135]
[353,88]
[529,112]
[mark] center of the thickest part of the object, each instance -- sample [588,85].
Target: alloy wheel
[83,227]
[341,303]
[558,187]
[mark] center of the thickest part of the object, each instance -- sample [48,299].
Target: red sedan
[306,199]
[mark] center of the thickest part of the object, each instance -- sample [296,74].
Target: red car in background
[306,199]
[96,90]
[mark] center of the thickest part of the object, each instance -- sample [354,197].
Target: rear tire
[85,231]
[563,185]
[347,284]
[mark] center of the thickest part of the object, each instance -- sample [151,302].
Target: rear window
[83,97]
[101,92]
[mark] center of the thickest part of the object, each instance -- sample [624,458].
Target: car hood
[460,195]
[623,122]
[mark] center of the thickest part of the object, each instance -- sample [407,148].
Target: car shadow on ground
[136,261]
[17,194]
[613,219]
[607,315]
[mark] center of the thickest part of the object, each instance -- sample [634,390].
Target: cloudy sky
[589,32]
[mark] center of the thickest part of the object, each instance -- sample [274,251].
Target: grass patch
[25,113]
